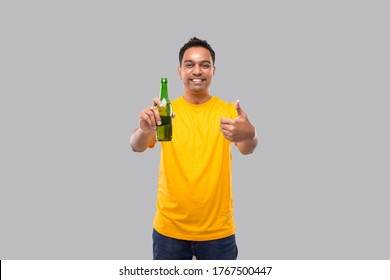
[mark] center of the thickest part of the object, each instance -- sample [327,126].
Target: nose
[197,70]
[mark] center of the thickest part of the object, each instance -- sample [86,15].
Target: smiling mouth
[197,80]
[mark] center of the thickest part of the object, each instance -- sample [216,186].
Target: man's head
[196,42]
[196,68]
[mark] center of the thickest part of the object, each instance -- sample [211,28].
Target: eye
[188,65]
[206,65]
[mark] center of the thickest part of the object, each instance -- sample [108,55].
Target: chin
[198,89]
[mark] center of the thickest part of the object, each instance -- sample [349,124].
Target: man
[194,214]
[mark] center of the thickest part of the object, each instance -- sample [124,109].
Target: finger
[151,118]
[240,112]
[173,115]
[156,115]
[146,122]
[157,102]
[226,127]
[153,115]
[226,134]
[226,121]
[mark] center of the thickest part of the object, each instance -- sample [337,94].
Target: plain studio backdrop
[313,76]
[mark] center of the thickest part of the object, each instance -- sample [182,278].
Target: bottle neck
[164,91]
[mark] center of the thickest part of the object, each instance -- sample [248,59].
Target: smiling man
[194,215]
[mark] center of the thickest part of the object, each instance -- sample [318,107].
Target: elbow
[136,149]
[134,146]
[139,143]
[247,152]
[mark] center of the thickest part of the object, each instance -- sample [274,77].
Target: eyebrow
[202,61]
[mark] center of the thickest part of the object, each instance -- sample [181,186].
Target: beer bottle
[164,131]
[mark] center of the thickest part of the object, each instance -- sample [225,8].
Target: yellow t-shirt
[194,198]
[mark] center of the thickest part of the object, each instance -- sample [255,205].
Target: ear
[179,72]
[214,70]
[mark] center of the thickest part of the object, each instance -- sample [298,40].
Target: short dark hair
[196,42]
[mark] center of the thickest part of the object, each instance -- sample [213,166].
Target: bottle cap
[164,80]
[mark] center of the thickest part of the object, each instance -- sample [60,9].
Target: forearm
[140,140]
[248,146]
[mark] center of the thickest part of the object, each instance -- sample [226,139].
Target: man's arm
[248,146]
[141,140]
[145,135]
[240,131]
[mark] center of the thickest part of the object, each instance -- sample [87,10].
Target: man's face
[196,69]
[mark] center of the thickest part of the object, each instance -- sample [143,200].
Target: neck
[197,98]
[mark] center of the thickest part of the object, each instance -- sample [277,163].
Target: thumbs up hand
[239,129]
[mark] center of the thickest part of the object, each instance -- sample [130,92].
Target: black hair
[196,42]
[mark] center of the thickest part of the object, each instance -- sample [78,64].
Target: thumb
[240,112]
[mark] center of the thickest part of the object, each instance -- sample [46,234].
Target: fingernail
[158,123]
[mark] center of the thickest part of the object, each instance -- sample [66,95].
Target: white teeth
[197,80]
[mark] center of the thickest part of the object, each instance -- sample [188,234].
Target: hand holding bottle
[149,118]
[159,116]
[164,125]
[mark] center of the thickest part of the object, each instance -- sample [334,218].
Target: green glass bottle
[164,131]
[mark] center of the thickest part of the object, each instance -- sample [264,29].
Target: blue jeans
[167,248]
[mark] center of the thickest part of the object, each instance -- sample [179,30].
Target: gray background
[313,77]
